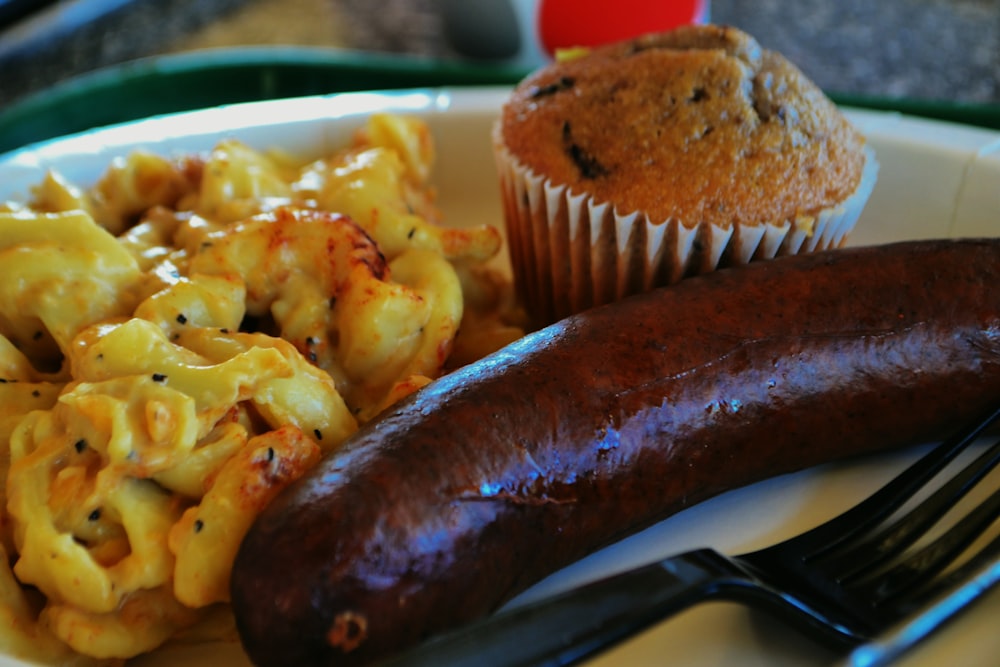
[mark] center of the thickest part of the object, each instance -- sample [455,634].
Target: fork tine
[930,608]
[860,562]
[918,596]
[858,520]
[935,557]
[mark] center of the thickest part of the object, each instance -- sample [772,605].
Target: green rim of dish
[183,82]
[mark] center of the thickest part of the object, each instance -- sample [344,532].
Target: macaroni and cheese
[185,337]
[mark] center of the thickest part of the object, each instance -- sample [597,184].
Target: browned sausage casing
[586,431]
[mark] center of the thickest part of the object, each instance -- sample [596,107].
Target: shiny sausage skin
[495,476]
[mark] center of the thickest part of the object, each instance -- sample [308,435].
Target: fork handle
[571,626]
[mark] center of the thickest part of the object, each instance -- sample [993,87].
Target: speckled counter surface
[920,49]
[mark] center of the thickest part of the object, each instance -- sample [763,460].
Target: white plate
[936,180]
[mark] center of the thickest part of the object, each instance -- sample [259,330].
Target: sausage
[583,432]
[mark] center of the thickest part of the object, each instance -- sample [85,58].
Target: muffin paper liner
[570,252]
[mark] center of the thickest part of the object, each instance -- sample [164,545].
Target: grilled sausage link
[579,434]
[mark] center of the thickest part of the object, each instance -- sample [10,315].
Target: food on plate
[585,431]
[645,161]
[180,340]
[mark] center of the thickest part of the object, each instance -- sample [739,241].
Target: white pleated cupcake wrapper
[570,253]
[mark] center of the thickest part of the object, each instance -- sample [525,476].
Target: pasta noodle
[185,337]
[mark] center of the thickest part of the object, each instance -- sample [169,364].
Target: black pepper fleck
[95,515]
[80,445]
[198,525]
[159,377]
[182,319]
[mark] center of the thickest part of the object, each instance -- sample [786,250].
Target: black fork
[843,582]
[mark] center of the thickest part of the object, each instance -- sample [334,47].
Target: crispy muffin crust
[698,124]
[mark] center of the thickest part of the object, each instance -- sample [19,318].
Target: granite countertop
[919,49]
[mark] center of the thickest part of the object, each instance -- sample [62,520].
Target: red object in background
[569,23]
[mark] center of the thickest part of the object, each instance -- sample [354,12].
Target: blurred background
[922,49]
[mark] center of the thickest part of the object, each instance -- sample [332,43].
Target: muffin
[637,164]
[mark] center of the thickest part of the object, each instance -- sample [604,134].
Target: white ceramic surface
[936,179]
